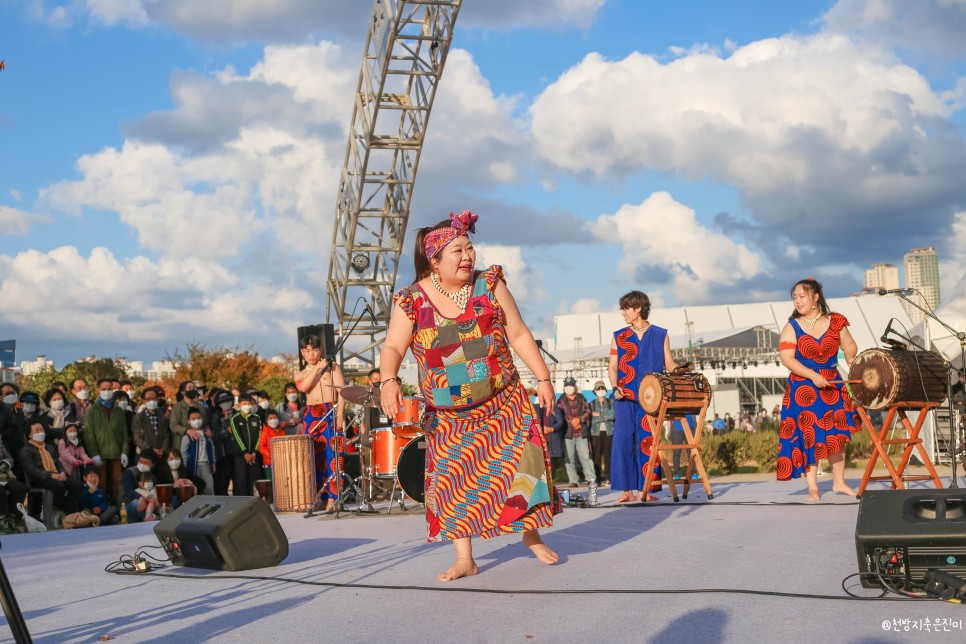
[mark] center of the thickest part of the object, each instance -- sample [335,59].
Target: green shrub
[764,449]
[733,451]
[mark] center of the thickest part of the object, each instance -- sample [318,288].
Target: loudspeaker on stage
[223,533]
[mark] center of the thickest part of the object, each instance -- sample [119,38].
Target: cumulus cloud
[935,27]
[100,298]
[523,280]
[818,134]
[18,222]
[663,242]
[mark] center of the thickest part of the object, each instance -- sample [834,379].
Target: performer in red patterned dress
[487,470]
[816,417]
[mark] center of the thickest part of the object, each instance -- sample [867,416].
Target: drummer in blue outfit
[636,350]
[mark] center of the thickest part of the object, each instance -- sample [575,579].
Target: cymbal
[368,396]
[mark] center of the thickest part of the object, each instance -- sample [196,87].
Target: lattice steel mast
[405,53]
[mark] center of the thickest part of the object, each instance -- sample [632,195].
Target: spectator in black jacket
[43,469]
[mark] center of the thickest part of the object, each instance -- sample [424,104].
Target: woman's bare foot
[813,494]
[625,497]
[330,506]
[842,488]
[462,568]
[532,540]
[650,498]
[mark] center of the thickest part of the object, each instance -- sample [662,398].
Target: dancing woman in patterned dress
[816,416]
[487,470]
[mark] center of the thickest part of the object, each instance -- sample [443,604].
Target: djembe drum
[882,377]
[688,392]
[293,472]
[184,493]
[263,487]
[165,495]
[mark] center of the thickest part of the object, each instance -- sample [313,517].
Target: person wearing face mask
[30,405]
[13,425]
[188,398]
[81,404]
[147,463]
[220,423]
[145,502]
[174,471]
[123,403]
[150,427]
[199,453]
[577,439]
[71,452]
[270,430]
[42,469]
[94,500]
[601,431]
[106,439]
[290,410]
[59,413]
[246,428]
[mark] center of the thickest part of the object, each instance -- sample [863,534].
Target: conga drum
[687,392]
[184,493]
[165,495]
[293,472]
[885,377]
[263,487]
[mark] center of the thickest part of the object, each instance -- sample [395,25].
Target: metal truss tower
[405,53]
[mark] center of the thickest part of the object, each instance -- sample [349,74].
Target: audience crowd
[100,448]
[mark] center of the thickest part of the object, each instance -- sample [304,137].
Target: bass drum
[411,470]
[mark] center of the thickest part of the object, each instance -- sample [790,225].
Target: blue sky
[170,166]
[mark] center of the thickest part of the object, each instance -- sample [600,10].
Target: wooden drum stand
[911,442]
[666,396]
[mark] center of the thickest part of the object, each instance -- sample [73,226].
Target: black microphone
[885,334]
[894,291]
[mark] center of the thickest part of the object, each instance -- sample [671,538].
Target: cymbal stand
[363,483]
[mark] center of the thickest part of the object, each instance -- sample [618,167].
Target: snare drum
[293,472]
[406,421]
[386,447]
[412,470]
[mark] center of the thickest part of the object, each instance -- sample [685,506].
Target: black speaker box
[325,332]
[223,533]
[900,534]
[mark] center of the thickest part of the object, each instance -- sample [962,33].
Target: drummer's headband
[461,224]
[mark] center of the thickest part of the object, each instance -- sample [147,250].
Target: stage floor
[626,574]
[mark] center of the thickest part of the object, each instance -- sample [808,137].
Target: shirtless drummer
[321,422]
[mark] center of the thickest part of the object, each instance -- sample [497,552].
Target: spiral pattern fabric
[815,423]
[319,425]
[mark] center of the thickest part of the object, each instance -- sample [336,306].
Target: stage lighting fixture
[360,262]
[734,365]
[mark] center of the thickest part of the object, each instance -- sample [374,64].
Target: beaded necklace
[460,297]
[810,322]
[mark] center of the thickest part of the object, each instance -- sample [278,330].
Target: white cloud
[522,279]
[815,132]
[585,305]
[932,26]
[15,194]
[18,222]
[662,241]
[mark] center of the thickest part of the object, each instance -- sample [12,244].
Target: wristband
[539,380]
[385,381]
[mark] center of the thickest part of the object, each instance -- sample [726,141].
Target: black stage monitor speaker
[325,332]
[900,534]
[223,533]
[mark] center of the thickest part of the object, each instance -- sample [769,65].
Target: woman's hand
[390,397]
[819,381]
[545,395]
[618,393]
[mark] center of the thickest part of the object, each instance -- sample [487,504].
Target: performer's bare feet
[813,494]
[330,506]
[650,498]
[462,568]
[626,497]
[532,540]
[842,488]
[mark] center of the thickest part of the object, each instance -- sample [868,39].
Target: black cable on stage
[118,569]
[671,504]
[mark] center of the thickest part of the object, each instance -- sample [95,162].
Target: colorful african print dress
[320,425]
[487,469]
[815,423]
[631,449]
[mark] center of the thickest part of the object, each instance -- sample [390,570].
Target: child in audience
[270,430]
[147,501]
[92,497]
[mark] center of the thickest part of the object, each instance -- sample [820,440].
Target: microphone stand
[546,353]
[329,363]
[950,370]
[18,627]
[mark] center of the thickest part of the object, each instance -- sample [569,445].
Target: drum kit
[396,453]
